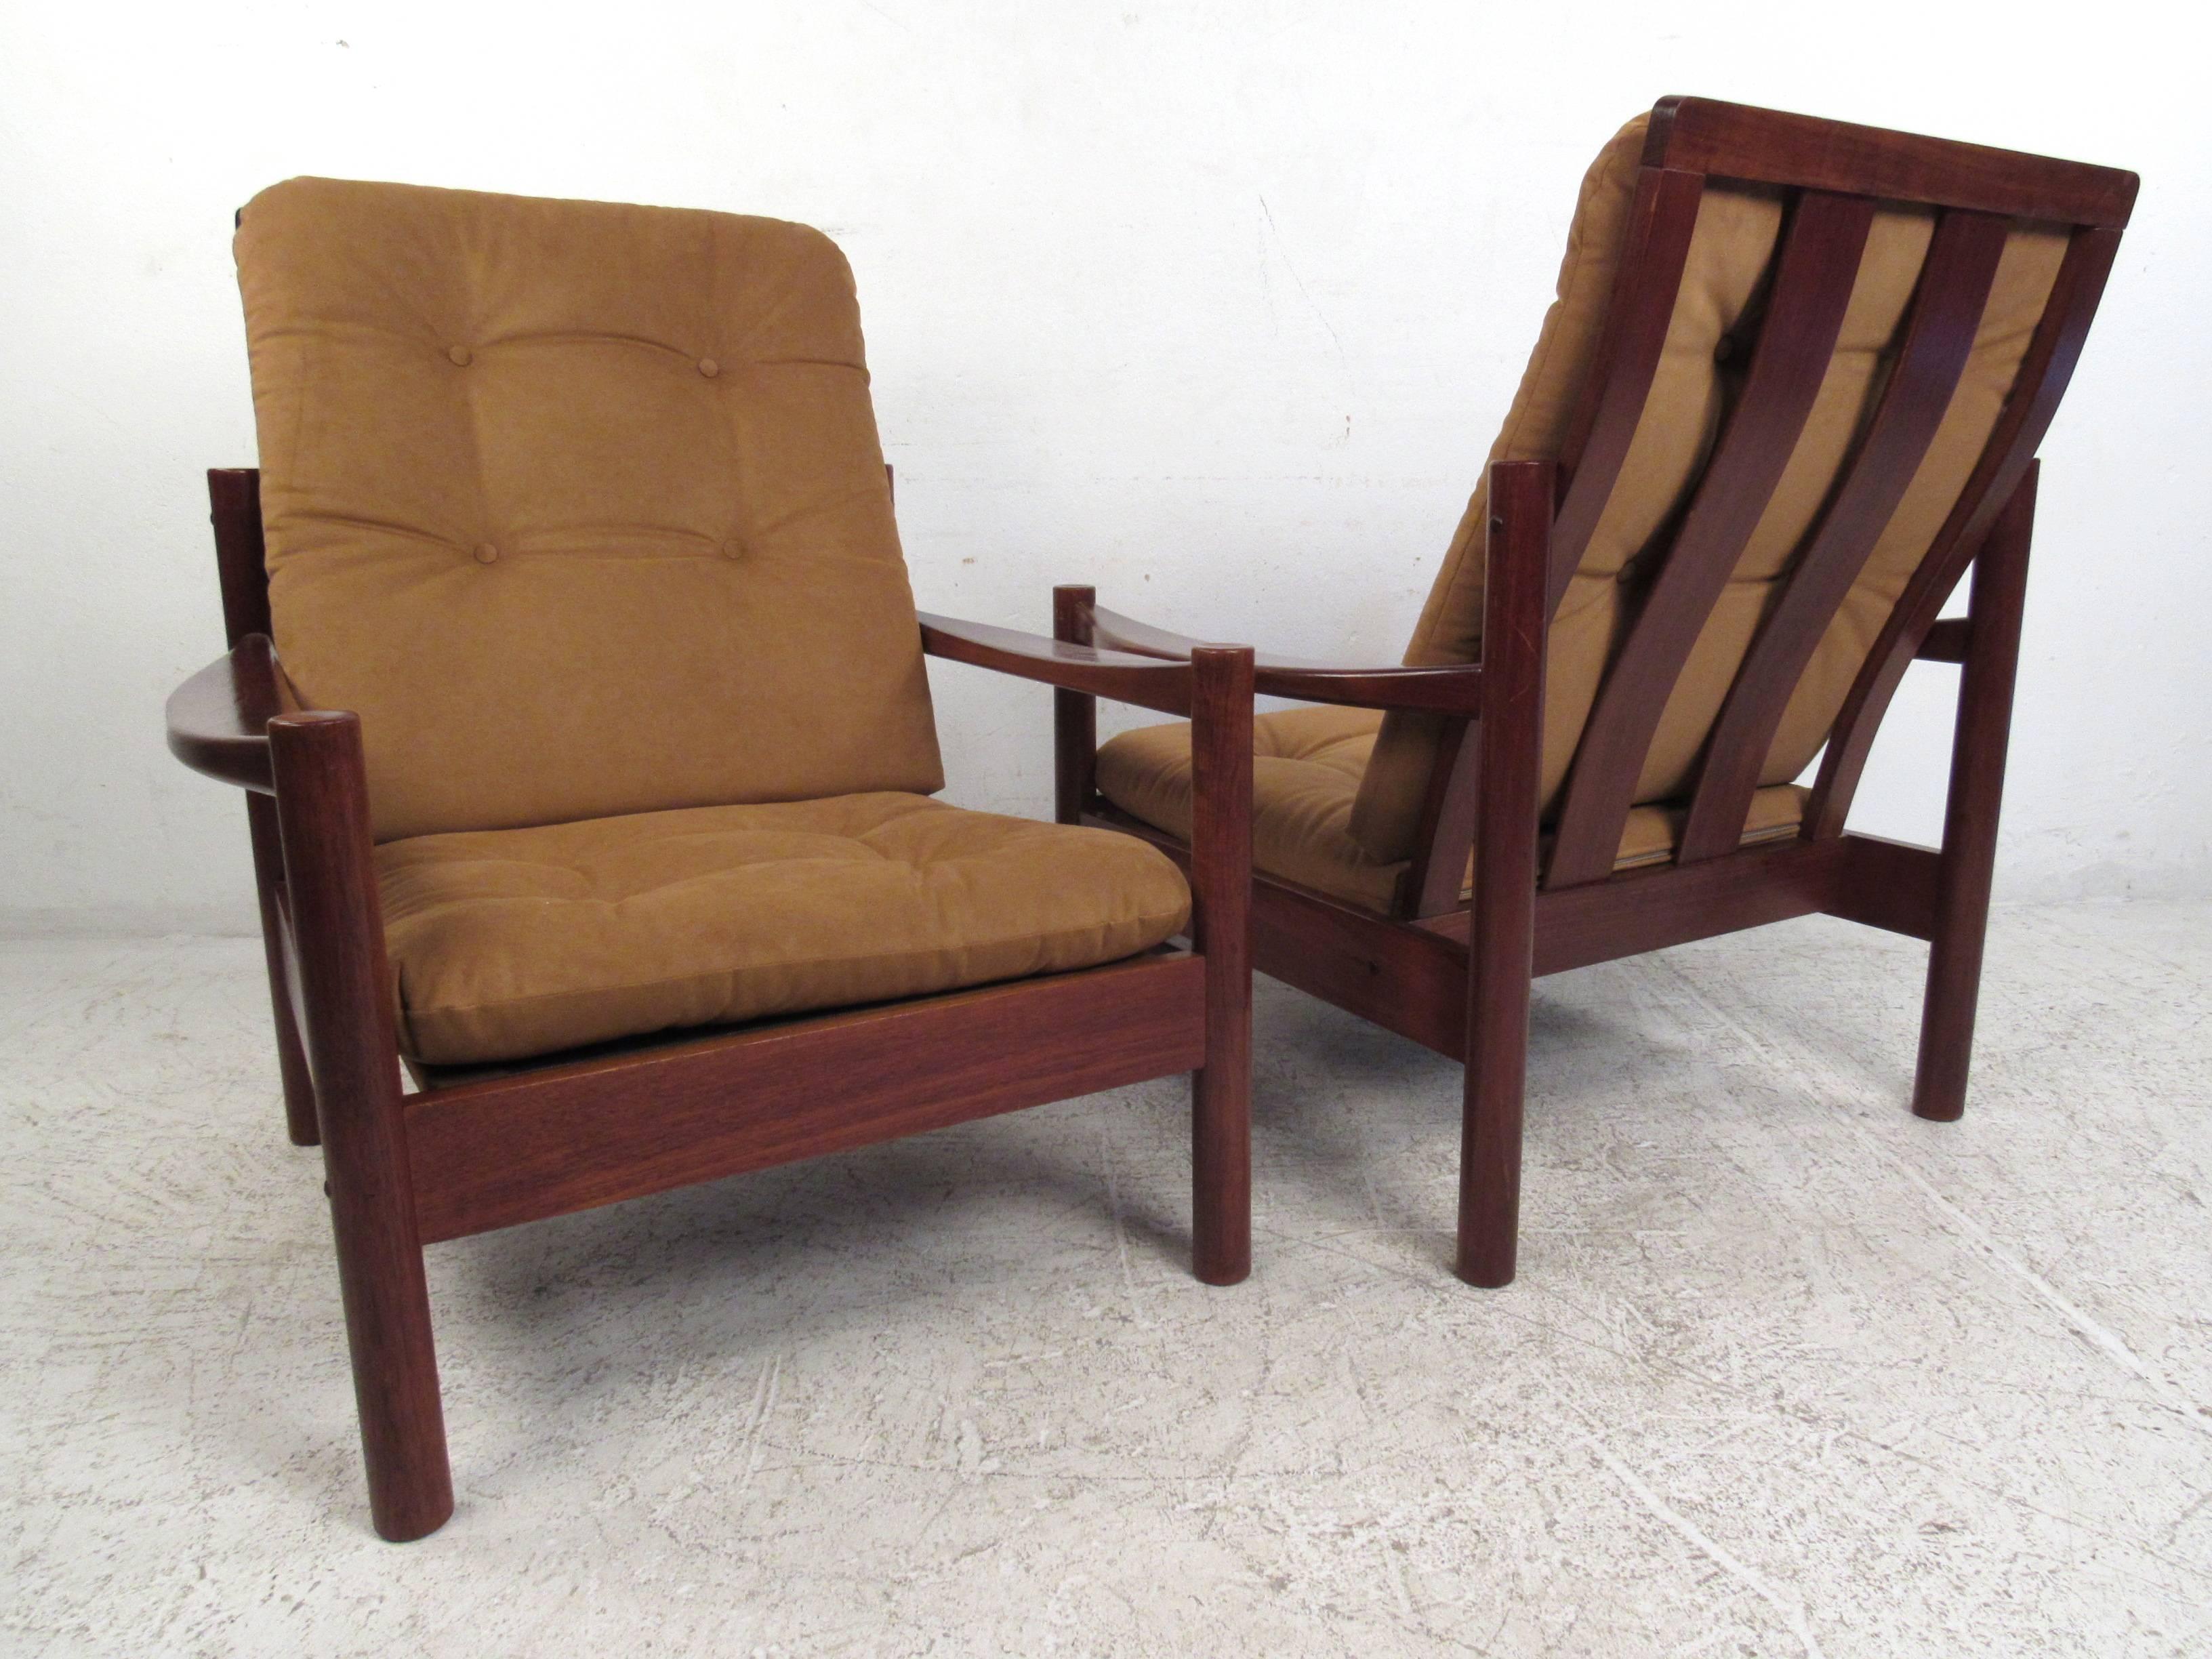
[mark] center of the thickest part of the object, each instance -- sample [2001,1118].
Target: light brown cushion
[1306,769]
[519,942]
[580,505]
[1306,765]
[1700,374]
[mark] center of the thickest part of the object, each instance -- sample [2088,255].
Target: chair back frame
[1833,175]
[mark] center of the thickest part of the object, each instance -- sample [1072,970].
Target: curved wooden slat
[2041,382]
[1813,280]
[1660,221]
[1953,289]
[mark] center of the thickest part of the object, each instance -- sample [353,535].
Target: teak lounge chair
[577,511]
[1792,387]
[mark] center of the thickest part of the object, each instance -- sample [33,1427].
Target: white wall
[1216,305]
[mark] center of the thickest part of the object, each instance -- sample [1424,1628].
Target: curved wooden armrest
[1124,677]
[219,719]
[1452,690]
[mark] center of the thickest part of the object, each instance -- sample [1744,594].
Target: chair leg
[1969,819]
[1221,928]
[387,1311]
[1221,1165]
[322,812]
[291,1057]
[1501,939]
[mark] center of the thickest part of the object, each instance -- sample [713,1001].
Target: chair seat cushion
[1307,765]
[512,943]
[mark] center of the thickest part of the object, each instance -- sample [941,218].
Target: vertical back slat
[241,564]
[2041,382]
[1436,880]
[1812,282]
[1661,220]
[1954,289]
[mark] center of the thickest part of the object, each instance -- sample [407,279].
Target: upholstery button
[1628,571]
[733,548]
[709,367]
[486,553]
[459,356]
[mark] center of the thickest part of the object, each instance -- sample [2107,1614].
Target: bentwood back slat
[2044,374]
[1661,221]
[1817,267]
[1954,286]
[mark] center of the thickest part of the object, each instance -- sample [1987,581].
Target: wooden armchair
[623,841]
[1792,388]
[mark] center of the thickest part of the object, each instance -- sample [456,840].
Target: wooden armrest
[1451,690]
[1124,677]
[219,719]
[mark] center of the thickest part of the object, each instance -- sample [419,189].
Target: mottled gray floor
[1787,1371]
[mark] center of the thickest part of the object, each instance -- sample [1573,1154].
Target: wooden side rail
[553,1139]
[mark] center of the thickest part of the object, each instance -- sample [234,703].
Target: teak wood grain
[596,1132]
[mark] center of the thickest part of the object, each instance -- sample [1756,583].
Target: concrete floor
[1787,1371]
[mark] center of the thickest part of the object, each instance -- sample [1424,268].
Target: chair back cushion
[1715,323]
[578,506]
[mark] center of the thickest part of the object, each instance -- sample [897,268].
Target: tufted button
[733,548]
[709,367]
[1628,571]
[486,553]
[459,356]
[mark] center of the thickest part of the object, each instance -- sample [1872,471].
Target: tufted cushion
[1700,373]
[1306,771]
[580,505]
[1306,767]
[517,942]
